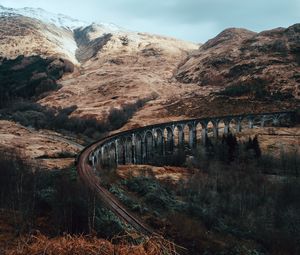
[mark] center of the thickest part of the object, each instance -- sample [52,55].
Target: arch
[97,156]
[112,154]
[178,136]
[221,127]
[121,151]
[148,146]
[106,156]
[233,126]
[190,136]
[215,129]
[210,129]
[169,139]
[138,148]
[245,123]
[199,131]
[128,150]
[159,141]
[257,121]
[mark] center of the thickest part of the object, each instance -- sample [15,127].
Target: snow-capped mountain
[59,20]
[45,33]
[34,31]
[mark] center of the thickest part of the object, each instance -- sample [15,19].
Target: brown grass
[87,245]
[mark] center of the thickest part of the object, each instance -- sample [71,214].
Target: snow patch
[59,20]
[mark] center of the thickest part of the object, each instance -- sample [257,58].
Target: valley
[66,85]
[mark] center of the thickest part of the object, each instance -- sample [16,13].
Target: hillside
[65,84]
[238,56]
[114,67]
[95,69]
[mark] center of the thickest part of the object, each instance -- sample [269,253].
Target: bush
[29,77]
[256,89]
[40,117]
[236,197]
[152,192]
[57,196]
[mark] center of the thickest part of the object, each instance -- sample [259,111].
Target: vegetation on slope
[90,245]
[254,89]
[238,201]
[30,77]
[40,117]
[56,198]
[65,217]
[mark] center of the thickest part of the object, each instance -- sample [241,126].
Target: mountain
[113,68]
[31,31]
[58,20]
[269,60]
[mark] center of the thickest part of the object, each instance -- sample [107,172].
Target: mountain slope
[236,57]
[26,36]
[115,67]
[58,20]
[121,67]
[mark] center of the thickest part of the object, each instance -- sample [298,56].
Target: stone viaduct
[139,146]
[144,144]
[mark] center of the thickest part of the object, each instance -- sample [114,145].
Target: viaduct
[141,145]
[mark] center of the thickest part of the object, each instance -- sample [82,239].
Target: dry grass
[87,245]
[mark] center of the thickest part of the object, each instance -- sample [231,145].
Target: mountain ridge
[60,20]
[116,67]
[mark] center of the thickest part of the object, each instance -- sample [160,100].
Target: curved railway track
[88,175]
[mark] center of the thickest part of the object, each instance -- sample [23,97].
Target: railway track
[87,174]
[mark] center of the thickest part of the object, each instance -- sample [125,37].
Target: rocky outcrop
[87,46]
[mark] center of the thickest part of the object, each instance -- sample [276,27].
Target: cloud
[195,20]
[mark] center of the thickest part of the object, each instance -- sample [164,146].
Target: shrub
[29,77]
[153,193]
[57,196]
[256,89]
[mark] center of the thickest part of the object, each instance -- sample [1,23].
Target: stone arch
[245,123]
[148,146]
[215,129]
[106,156]
[178,136]
[257,120]
[112,154]
[199,131]
[128,150]
[233,123]
[121,151]
[221,127]
[189,135]
[138,146]
[159,141]
[168,139]
[210,129]
[205,129]
[97,156]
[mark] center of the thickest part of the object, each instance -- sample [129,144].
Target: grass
[230,205]
[91,245]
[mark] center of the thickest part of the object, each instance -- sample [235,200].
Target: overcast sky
[193,20]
